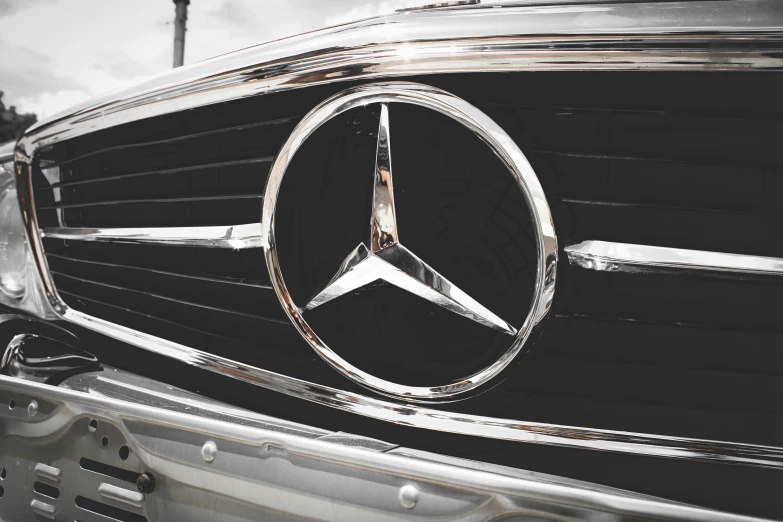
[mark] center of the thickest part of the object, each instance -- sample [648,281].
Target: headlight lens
[13,246]
[20,286]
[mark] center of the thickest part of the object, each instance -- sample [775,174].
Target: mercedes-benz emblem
[383,257]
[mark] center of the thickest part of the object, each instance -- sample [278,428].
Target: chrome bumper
[203,460]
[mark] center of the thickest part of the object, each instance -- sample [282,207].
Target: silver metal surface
[699,36]
[48,472]
[43,509]
[263,473]
[694,35]
[235,237]
[387,259]
[606,256]
[390,261]
[122,495]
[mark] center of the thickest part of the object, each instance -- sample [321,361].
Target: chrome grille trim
[418,416]
[605,256]
[235,237]
[511,41]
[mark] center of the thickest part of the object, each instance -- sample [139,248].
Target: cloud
[47,104]
[236,14]
[370,9]
[109,43]
[32,73]
[121,66]
[9,7]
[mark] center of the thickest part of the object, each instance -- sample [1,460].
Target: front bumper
[213,461]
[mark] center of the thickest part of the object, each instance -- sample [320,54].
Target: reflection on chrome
[606,256]
[388,259]
[384,221]
[235,237]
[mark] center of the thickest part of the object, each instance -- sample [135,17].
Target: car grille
[685,160]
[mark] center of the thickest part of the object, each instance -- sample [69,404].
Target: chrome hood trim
[638,35]
[235,237]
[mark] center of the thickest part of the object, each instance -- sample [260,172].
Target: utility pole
[180,21]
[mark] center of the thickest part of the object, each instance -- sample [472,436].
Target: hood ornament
[388,260]
[383,257]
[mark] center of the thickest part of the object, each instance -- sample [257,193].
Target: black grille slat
[660,343]
[160,172]
[176,213]
[736,233]
[148,298]
[177,139]
[252,300]
[242,265]
[725,303]
[151,200]
[717,389]
[140,271]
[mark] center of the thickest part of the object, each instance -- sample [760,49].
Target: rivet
[409,495]
[209,451]
[32,409]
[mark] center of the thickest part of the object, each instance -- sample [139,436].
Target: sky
[57,53]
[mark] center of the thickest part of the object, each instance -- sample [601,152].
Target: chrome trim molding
[606,256]
[698,450]
[701,35]
[234,237]
[263,467]
[376,259]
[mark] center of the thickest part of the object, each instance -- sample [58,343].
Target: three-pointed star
[388,260]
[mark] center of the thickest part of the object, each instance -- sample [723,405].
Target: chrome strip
[699,35]
[427,418]
[696,35]
[259,464]
[606,256]
[234,237]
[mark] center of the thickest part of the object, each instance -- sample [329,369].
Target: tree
[13,124]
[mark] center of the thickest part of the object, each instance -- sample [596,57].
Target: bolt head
[408,496]
[209,451]
[32,409]
[145,483]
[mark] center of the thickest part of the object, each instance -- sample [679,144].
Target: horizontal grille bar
[622,257]
[232,237]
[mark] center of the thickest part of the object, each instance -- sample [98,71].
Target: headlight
[13,247]
[19,282]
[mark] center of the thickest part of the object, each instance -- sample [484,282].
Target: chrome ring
[503,146]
